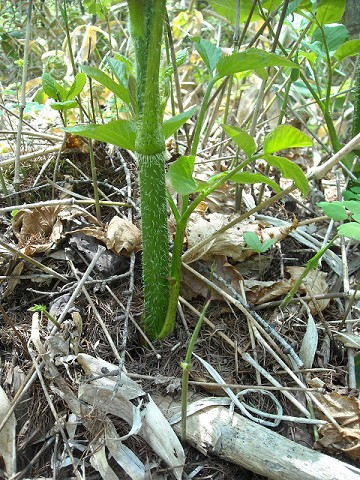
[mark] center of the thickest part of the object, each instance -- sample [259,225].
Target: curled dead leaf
[346,411]
[39,228]
[120,235]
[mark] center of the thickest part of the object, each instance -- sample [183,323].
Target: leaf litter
[81,415]
[67,239]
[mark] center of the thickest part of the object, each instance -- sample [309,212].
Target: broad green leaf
[330,11]
[77,86]
[351,229]
[293,6]
[253,241]
[353,206]
[334,210]
[285,136]
[64,105]
[174,123]
[118,89]
[118,68]
[52,88]
[120,132]
[290,170]
[209,53]
[180,175]
[49,86]
[271,5]
[227,9]
[248,178]
[129,66]
[335,36]
[347,49]
[242,139]
[250,60]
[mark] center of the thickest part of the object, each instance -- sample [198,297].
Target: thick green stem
[146,25]
[155,241]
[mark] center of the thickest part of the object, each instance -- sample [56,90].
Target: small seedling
[42,309]
[253,241]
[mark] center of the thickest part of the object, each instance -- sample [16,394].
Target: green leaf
[351,230]
[49,86]
[249,60]
[271,5]
[290,170]
[253,241]
[353,206]
[242,139]
[334,210]
[285,136]
[64,105]
[52,88]
[248,178]
[128,65]
[120,132]
[330,11]
[101,77]
[181,56]
[77,86]
[180,175]
[118,68]
[268,244]
[174,123]
[227,9]
[209,53]
[347,49]
[335,36]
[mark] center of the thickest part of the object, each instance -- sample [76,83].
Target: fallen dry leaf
[231,242]
[346,411]
[120,235]
[313,284]
[38,228]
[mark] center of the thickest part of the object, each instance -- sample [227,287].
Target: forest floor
[102,319]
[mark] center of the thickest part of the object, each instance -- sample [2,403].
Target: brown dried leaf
[346,411]
[35,227]
[258,292]
[122,236]
[13,281]
[230,243]
[192,286]
[313,284]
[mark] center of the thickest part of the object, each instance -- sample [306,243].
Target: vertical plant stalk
[356,119]
[94,179]
[146,26]
[186,366]
[17,178]
[175,272]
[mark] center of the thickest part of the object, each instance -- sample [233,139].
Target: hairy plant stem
[146,26]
